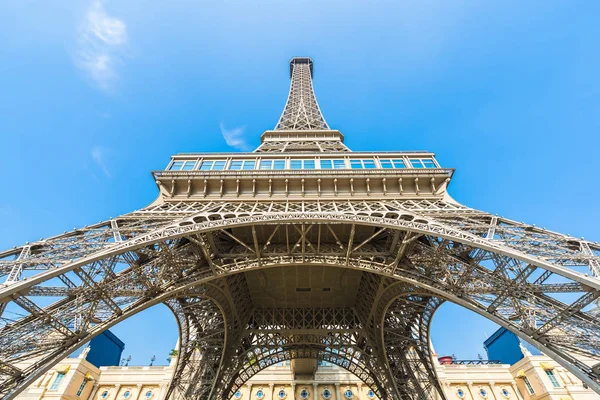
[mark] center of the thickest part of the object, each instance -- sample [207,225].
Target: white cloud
[235,137]
[99,156]
[100,46]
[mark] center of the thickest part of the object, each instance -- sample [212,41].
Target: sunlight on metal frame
[299,212]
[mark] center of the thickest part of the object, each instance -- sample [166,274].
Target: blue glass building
[505,347]
[105,350]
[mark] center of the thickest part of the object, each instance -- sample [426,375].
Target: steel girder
[505,271]
[202,340]
[399,315]
[211,318]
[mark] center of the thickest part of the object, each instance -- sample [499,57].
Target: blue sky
[96,94]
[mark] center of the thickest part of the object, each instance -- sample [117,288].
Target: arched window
[326,394]
[304,394]
[282,394]
[260,394]
[348,394]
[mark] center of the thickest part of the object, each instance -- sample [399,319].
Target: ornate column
[117,387]
[94,390]
[139,391]
[249,396]
[493,389]
[446,388]
[470,387]
[271,388]
[293,391]
[516,390]
[162,391]
[359,390]
[338,395]
[315,391]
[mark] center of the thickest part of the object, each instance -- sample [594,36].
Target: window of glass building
[394,163]
[57,381]
[528,385]
[182,166]
[212,165]
[360,164]
[422,163]
[302,164]
[553,379]
[333,164]
[242,164]
[81,388]
[272,164]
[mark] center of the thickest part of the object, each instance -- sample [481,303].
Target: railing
[305,172]
[475,362]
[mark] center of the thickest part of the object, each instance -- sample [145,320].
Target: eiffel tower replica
[305,251]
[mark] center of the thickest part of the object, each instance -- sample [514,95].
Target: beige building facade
[532,378]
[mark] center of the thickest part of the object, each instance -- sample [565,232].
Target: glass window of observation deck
[182,166]
[302,164]
[212,165]
[422,163]
[360,164]
[333,164]
[242,164]
[272,164]
[395,163]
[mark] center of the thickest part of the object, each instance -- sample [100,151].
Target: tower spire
[301,110]
[302,127]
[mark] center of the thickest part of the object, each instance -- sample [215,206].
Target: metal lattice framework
[410,253]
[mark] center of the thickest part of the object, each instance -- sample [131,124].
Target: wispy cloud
[235,137]
[99,156]
[100,46]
